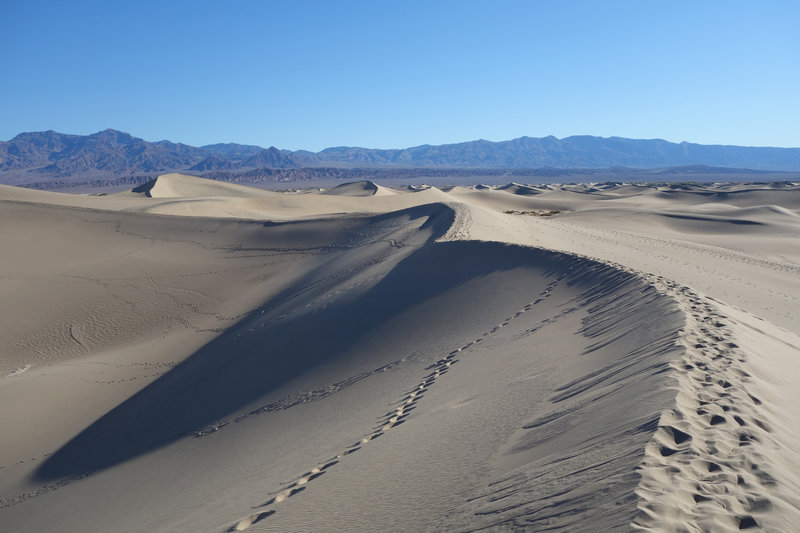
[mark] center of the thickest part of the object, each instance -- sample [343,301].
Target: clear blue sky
[301,74]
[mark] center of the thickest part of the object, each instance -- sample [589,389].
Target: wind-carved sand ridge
[388,351]
[709,464]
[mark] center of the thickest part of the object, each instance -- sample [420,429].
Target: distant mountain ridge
[111,151]
[581,151]
[53,154]
[37,156]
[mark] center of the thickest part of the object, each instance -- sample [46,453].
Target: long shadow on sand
[259,354]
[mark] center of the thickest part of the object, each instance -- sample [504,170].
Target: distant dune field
[195,355]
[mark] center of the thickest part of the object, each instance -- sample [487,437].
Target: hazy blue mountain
[47,155]
[572,152]
[232,151]
[53,154]
[33,149]
[108,151]
[263,158]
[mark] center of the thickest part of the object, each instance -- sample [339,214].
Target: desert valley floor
[202,356]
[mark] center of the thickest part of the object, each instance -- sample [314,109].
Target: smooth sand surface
[202,356]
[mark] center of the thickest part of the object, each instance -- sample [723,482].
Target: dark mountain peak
[340,148]
[33,149]
[107,151]
[168,144]
[41,137]
[114,135]
[35,134]
[269,158]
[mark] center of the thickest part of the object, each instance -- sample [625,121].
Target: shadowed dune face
[92,280]
[358,188]
[298,328]
[289,335]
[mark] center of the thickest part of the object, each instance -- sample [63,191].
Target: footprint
[348,451]
[717,419]
[666,452]
[244,523]
[372,436]
[282,496]
[747,522]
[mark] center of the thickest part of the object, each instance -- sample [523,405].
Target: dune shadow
[255,357]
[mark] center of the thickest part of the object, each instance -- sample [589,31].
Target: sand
[202,356]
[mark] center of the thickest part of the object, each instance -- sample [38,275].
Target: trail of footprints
[159,367]
[290,401]
[387,421]
[707,448]
[703,450]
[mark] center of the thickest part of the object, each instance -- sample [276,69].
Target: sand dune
[181,185]
[359,188]
[517,188]
[200,356]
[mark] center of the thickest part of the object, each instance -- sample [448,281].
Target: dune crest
[359,188]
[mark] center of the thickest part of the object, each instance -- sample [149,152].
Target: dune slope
[386,370]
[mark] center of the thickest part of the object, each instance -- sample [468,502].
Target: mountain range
[49,155]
